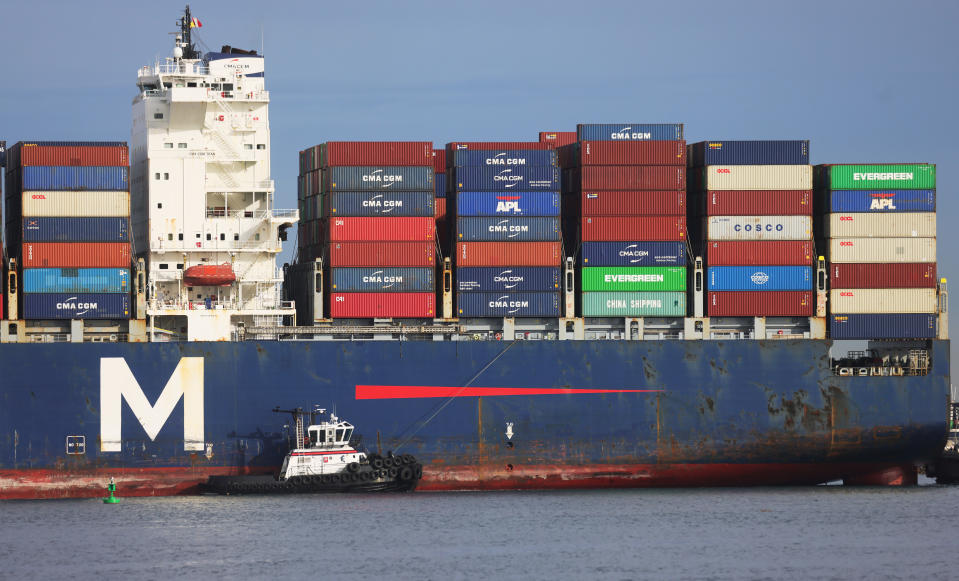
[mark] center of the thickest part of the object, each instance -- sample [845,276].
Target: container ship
[610,307]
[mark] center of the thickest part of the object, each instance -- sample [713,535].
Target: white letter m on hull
[117,383]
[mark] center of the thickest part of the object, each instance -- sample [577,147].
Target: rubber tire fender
[353,467]
[392,472]
[376,463]
[406,473]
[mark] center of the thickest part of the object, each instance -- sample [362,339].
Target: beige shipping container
[884,300]
[84,204]
[759,177]
[893,225]
[759,227]
[882,250]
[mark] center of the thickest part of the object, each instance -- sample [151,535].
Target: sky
[864,81]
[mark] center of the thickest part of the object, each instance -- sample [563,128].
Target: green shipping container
[911,176]
[634,278]
[634,304]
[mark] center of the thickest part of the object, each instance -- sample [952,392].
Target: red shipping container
[362,153]
[71,155]
[382,305]
[760,304]
[439,161]
[633,203]
[557,138]
[629,177]
[624,153]
[872,275]
[382,254]
[758,203]
[617,228]
[508,254]
[498,145]
[382,229]
[76,255]
[439,209]
[759,253]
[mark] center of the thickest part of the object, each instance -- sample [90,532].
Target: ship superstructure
[202,194]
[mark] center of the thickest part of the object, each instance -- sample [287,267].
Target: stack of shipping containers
[67,212]
[506,199]
[879,223]
[751,203]
[380,228]
[309,183]
[624,194]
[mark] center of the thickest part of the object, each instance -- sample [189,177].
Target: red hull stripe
[423,391]
[320,453]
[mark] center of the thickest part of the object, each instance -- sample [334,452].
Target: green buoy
[111,488]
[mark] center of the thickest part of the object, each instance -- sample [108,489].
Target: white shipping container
[759,177]
[83,204]
[759,227]
[883,300]
[893,225]
[882,250]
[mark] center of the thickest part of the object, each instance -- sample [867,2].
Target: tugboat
[322,460]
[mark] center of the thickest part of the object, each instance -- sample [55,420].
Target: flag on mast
[195,23]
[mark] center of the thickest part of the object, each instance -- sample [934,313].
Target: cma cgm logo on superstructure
[507,175]
[378,177]
[759,277]
[504,302]
[504,227]
[903,176]
[76,308]
[501,159]
[508,279]
[381,204]
[628,133]
[237,65]
[882,201]
[508,204]
[378,278]
[758,228]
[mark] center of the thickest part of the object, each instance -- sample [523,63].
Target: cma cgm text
[505,161]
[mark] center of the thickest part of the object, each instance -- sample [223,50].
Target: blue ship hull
[162,417]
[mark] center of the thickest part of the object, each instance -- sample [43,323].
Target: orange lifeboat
[209,275]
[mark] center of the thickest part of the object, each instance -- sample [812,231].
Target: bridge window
[348,434]
[339,435]
[323,436]
[261,146]
[158,115]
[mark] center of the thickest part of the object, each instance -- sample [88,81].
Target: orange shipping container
[76,254]
[508,254]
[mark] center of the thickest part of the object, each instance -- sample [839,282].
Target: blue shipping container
[887,326]
[507,304]
[507,229]
[373,178]
[520,178]
[759,152]
[76,306]
[634,253]
[507,203]
[507,279]
[76,229]
[392,280]
[503,159]
[440,185]
[76,280]
[764,278]
[382,203]
[882,201]
[74,178]
[629,132]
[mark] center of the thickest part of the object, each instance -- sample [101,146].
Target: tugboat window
[339,435]
[348,434]
[323,436]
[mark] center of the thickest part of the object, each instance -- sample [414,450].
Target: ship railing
[230,305]
[181,68]
[264,245]
[255,214]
